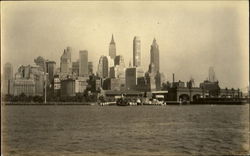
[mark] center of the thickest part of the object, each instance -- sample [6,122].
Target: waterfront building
[210,89]
[106,84]
[57,85]
[31,73]
[103,67]
[24,86]
[211,75]
[90,68]
[65,63]
[178,84]
[39,78]
[150,81]
[75,68]
[131,76]
[230,93]
[81,84]
[154,55]
[50,69]
[68,87]
[136,52]
[83,63]
[112,48]
[142,84]
[7,81]
[115,84]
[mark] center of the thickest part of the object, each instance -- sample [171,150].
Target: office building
[154,55]
[103,67]
[65,63]
[7,81]
[112,48]
[81,84]
[119,60]
[136,52]
[75,68]
[83,63]
[51,70]
[25,77]
[68,87]
[24,86]
[90,68]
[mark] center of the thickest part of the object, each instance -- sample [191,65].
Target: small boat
[122,102]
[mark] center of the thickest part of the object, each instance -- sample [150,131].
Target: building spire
[112,39]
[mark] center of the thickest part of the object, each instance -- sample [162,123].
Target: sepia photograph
[124,78]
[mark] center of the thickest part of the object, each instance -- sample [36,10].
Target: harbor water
[132,130]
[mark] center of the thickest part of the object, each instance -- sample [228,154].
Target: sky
[192,36]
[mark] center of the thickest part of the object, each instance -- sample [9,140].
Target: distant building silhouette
[154,55]
[136,52]
[103,67]
[75,68]
[131,76]
[51,69]
[119,60]
[90,68]
[65,63]
[83,63]
[211,75]
[7,85]
[112,48]
[29,80]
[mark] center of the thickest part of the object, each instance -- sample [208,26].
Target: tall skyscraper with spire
[154,56]
[112,48]
[136,52]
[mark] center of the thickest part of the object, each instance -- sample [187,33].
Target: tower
[7,78]
[65,63]
[154,55]
[136,52]
[83,63]
[112,48]
[103,67]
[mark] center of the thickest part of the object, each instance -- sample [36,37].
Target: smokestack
[173,77]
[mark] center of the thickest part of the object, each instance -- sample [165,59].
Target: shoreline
[97,104]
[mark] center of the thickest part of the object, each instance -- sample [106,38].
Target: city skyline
[188,55]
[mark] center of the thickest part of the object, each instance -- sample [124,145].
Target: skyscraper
[103,67]
[112,48]
[154,55]
[83,63]
[119,60]
[211,75]
[51,69]
[136,51]
[75,68]
[7,79]
[90,68]
[66,61]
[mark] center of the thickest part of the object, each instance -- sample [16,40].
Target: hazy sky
[191,35]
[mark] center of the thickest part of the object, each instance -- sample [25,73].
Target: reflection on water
[113,130]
